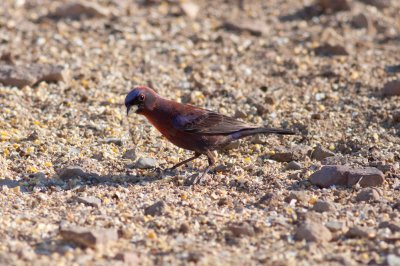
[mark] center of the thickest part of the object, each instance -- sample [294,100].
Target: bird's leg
[211,161]
[196,155]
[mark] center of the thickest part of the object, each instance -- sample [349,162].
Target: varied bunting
[190,127]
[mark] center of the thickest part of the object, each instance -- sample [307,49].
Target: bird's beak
[131,107]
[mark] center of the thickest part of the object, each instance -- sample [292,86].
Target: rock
[330,50]
[393,260]
[50,73]
[391,88]
[343,175]
[320,153]
[16,76]
[393,226]
[115,141]
[78,10]
[333,6]
[256,28]
[184,228]
[335,226]
[21,76]
[129,258]
[288,155]
[293,165]
[225,202]
[146,163]
[157,209]
[240,114]
[360,21]
[323,206]
[299,196]
[359,232]
[7,58]
[380,4]
[243,229]
[90,201]
[71,172]
[269,199]
[396,116]
[130,154]
[368,194]
[313,232]
[89,237]
[190,9]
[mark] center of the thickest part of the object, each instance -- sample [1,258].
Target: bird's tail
[261,130]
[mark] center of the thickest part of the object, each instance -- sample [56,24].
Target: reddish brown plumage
[190,127]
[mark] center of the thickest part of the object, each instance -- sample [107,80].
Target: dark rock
[256,28]
[368,194]
[243,229]
[269,200]
[184,228]
[71,172]
[360,232]
[146,163]
[130,154]
[331,50]
[157,209]
[293,165]
[16,76]
[396,116]
[225,202]
[320,153]
[343,175]
[393,226]
[361,21]
[88,237]
[313,232]
[240,114]
[288,155]
[7,58]
[323,206]
[391,88]
[21,76]
[77,10]
[90,201]
[115,141]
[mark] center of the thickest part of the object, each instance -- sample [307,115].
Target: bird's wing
[208,122]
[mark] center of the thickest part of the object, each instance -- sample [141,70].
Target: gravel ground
[73,192]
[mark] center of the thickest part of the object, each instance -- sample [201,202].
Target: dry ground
[246,211]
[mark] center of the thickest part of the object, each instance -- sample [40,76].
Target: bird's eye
[141,97]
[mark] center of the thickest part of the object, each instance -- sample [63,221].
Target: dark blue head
[140,99]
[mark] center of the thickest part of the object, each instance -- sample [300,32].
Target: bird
[192,128]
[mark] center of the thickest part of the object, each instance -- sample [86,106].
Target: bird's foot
[195,179]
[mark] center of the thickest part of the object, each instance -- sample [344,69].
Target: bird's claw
[161,173]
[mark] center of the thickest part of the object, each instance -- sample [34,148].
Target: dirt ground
[319,69]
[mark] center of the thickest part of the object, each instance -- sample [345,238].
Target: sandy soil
[316,69]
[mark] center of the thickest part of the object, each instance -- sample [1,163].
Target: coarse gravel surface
[80,181]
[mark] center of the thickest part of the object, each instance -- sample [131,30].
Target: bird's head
[140,99]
